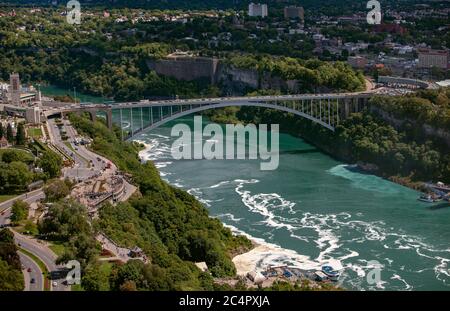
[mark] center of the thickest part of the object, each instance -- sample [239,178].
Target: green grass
[24,154]
[57,247]
[34,132]
[41,265]
[6,197]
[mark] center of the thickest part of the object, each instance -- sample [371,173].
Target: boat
[428,198]
[332,274]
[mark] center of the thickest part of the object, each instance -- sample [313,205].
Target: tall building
[433,58]
[19,96]
[15,89]
[258,9]
[291,12]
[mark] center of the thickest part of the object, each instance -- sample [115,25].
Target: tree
[10,279]
[20,136]
[19,211]
[57,190]
[15,155]
[95,278]
[51,164]
[8,250]
[9,133]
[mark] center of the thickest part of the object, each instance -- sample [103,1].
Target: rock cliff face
[233,80]
[186,68]
[427,129]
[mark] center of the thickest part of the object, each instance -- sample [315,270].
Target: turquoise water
[320,210]
[51,90]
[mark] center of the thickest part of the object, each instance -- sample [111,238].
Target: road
[82,169]
[87,164]
[29,197]
[34,273]
[48,257]
[38,249]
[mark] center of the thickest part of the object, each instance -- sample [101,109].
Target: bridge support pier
[109,118]
[346,108]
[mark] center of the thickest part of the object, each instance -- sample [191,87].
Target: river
[319,210]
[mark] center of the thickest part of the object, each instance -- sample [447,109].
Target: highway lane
[57,140]
[28,197]
[45,254]
[38,249]
[34,273]
[82,169]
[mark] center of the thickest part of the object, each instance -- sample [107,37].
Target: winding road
[31,271]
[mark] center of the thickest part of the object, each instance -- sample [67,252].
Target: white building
[258,9]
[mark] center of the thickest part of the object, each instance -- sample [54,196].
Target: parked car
[32,281]
[29,269]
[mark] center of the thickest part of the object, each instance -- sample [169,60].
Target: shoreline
[247,261]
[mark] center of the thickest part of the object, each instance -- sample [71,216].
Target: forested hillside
[403,152]
[171,226]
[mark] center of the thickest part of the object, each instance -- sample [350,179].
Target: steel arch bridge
[136,117]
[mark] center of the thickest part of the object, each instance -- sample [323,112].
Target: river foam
[328,232]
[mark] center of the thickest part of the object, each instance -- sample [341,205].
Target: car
[32,281]
[29,269]
[55,283]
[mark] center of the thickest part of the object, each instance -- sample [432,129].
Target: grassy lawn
[6,197]
[41,265]
[57,248]
[34,132]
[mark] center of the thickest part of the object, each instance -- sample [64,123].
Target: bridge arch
[325,122]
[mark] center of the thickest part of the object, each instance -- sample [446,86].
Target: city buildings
[357,62]
[19,96]
[429,58]
[257,10]
[21,101]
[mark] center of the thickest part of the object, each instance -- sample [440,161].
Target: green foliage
[406,151]
[57,190]
[19,211]
[16,155]
[171,226]
[9,133]
[14,177]
[311,74]
[430,107]
[67,222]
[20,135]
[51,164]
[11,277]
[149,50]
[96,277]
